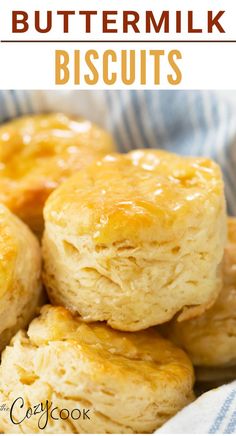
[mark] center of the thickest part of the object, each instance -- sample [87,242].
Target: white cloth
[213,412]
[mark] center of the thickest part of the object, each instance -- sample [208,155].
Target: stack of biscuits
[138,282]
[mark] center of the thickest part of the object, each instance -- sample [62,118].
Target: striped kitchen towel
[199,123]
[213,412]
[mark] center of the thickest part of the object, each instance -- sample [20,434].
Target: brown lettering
[190,24]
[164,19]
[48,23]
[178,21]
[214,21]
[65,15]
[88,15]
[19,18]
[130,19]
[106,21]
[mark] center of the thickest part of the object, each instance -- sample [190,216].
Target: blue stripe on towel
[137,104]
[222,413]
[117,133]
[231,426]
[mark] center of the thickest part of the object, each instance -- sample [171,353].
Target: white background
[203,66]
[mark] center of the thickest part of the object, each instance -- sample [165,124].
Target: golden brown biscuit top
[124,196]
[39,152]
[144,353]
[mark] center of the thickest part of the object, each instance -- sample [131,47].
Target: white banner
[156,44]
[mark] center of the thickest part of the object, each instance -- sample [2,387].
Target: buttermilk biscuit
[37,153]
[210,340]
[20,267]
[136,238]
[130,383]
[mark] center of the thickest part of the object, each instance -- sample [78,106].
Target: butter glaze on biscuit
[131,383]
[39,152]
[134,239]
[210,340]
